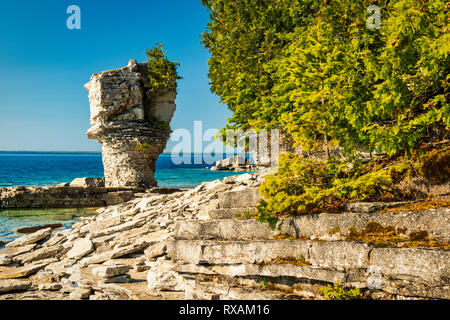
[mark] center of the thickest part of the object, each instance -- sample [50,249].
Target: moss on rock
[435,166]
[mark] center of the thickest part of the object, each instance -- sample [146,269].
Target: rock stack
[132,128]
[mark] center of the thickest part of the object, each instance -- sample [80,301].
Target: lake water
[11,220]
[46,169]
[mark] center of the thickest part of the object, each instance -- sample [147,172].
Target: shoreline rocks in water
[88,183]
[191,244]
[80,193]
[36,228]
[236,163]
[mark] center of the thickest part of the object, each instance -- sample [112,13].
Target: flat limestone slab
[271,270]
[80,293]
[224,229]
[230,252]
[435,221]
[37,228]
[13,285]
[42,253]
[119,228]
[96,258]
[429,264]
[30,238]
[155,250]
[63,197]
[334,254]
[123,251]
[123,278]
[360,262]
[81,247]
[134,289]
[432,266]
[110,271]
[21,272]
[247,197]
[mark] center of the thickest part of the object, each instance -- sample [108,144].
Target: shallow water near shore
[11,220]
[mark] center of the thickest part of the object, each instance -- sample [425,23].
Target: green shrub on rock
[304,185]
[162,73]
[336,292]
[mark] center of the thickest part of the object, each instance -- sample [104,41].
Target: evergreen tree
[315,69]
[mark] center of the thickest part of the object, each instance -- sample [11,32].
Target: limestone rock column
[133,132]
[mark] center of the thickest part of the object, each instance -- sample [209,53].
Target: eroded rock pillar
[133,132]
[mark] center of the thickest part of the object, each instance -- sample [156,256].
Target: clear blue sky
[44,65]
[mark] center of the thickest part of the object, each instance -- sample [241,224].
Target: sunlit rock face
[133,132]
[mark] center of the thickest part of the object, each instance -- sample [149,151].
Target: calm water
[46,169]
[11,220]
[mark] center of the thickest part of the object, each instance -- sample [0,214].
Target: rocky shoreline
[196,244]
[236,163]
[80,193]
[202,243]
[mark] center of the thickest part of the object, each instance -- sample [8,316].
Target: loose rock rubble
[190,244]
[106,252]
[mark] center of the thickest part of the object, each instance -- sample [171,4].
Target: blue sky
[44,65]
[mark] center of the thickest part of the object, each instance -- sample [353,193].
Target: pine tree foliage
[315,69]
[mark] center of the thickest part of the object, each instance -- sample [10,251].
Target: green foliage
[142,146]
[162,73]
[304,185]
[336,292]
[264,215]
[264,283]
[313,68]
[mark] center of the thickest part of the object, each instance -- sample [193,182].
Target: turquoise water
[11,220]
[46,169]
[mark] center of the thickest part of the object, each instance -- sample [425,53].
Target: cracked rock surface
[189,244]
